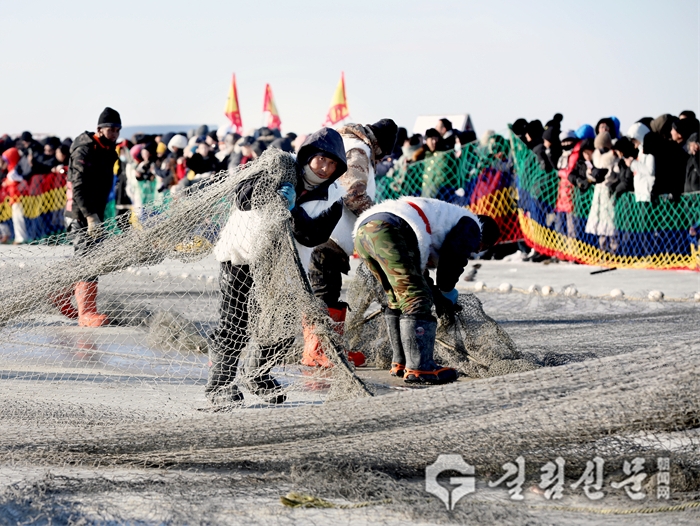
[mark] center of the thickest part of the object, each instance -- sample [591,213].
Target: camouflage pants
[391,254]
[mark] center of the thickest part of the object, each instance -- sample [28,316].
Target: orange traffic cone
[86,297]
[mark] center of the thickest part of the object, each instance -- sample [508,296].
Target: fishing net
[111,424]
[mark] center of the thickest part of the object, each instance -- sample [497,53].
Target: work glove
[286,190]
[452,295]
[94,225]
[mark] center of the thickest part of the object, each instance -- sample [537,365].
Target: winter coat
[362,151]
[202,165]
[447,234]
[548,157]
[643,168]
[692,174]
[567,163]
[579,175]
[601,219]
[90,176]
[670,161]
[314,215]
[622,179]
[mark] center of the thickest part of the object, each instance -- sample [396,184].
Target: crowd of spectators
[655,159]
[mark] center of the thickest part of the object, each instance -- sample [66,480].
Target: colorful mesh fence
[479,178]
[42,198]
[553,216]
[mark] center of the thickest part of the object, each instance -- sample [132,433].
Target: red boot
[313,351]
[62,301]
[86,297]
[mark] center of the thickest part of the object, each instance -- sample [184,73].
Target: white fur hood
[441,216]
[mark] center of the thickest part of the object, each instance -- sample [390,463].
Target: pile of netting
[469,341]
[129,398]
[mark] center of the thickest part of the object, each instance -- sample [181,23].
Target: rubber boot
[86,298]
[62,301]
[220,389]
[313,350]
[393,329]
[418,340]
[313,355]
[258,368]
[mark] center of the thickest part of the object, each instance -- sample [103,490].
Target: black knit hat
[109,118]
[385,131]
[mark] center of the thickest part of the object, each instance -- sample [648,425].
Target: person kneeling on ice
[398,241]
[316,207]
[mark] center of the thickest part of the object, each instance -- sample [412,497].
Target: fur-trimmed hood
[441,216]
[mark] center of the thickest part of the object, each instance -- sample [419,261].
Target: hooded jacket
[90,176]
[362,151]
[314,215]
[446,233]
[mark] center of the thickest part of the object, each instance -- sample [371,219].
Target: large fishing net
[111,424]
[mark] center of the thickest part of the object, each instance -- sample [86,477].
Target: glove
[94,229]
[286,190]
[452,295]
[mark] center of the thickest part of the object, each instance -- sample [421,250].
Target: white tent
[461,122]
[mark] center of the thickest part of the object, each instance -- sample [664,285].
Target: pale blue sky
[171,62]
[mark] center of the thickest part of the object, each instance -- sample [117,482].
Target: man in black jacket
[90,180]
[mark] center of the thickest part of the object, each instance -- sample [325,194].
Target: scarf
[310,179]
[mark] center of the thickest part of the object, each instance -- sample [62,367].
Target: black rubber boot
[221,389]
[418,339]
[393,329]
[257,370]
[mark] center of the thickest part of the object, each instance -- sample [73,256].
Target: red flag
[339,104]
[232,110]
[270,110]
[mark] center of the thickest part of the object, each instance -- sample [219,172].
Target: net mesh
[111,424]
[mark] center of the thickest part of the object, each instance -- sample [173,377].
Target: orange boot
[86,297]
[313,351]
[62,301]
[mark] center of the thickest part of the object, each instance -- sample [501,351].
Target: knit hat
[385,131]
[551,134]
[603,140]
[109,118]
[26,136]
[178,141]
[161,148]
[202,130]
[432,132]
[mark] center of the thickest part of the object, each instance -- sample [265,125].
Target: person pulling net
[398,241]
